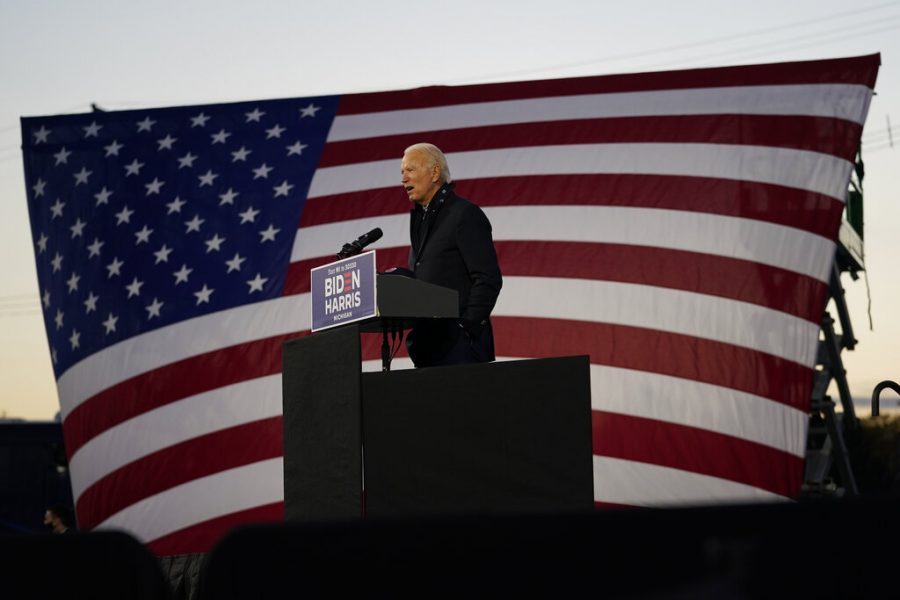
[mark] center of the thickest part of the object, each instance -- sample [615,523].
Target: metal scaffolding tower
[826,450]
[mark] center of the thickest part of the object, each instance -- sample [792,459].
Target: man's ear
[436,173]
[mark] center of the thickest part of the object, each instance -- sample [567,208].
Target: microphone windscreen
[374,235]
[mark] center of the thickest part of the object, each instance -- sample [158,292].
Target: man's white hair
[435,157]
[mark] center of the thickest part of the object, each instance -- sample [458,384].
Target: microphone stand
[385,348]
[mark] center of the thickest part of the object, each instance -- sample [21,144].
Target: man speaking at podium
[451,246]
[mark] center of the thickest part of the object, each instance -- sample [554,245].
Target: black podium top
[403,299]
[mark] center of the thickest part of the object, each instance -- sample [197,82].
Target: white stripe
[840,101]
[640,484]
[746,239]
[710,317]
[700,405]
[179,341]
[174,423]
[200,500]
[677,311]
[684,402]
[803,169]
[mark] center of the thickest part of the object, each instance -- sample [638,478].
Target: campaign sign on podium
[343,291]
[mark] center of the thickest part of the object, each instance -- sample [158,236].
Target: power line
[787,45]
[701,43]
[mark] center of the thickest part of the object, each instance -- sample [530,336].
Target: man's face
[50,520]
[420,180]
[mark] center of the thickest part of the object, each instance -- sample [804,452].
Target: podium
[493,438]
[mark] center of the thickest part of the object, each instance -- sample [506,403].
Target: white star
[154,186]
[194,224]
[92,130]
[134,168]
[283,189]
[166,142]
[77,228]
[40,136]
[114,267]
[56,262]
[207,178]
[203,295]
[110,323]
[134,288]
[249,215]
[256,284]
[214,243]
[62,157]
[162,255]
[124,215]
[153,309]
[58,319]
[187,161]
[146,124]
[200,120]
[268,234]
[53,356]
[82,176]
[39,188]
[90,305]
[113,149]
[175,205]
[219,138]
[228,197]
[235,263]
[296,148]
[262,171]
[309,111]
[181,275]
[56,209]
[94,248]
[255,115]
[103,196]
[143,236]
[73,339]
[240,155]
[72,282]
[46,298]
[42,243]
[275,132]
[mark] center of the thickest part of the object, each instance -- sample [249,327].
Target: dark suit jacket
[453,247]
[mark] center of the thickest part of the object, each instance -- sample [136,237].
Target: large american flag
[678,227]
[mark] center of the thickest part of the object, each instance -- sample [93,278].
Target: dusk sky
[60,57]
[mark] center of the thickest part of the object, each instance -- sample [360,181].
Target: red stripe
[791,207]
[169,383]
[710,274]
[654,351]
[201,538]
[697,451]
[818,134]
[630,347]
[198,457]
[860,70]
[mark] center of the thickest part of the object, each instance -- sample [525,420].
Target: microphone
[355,247]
